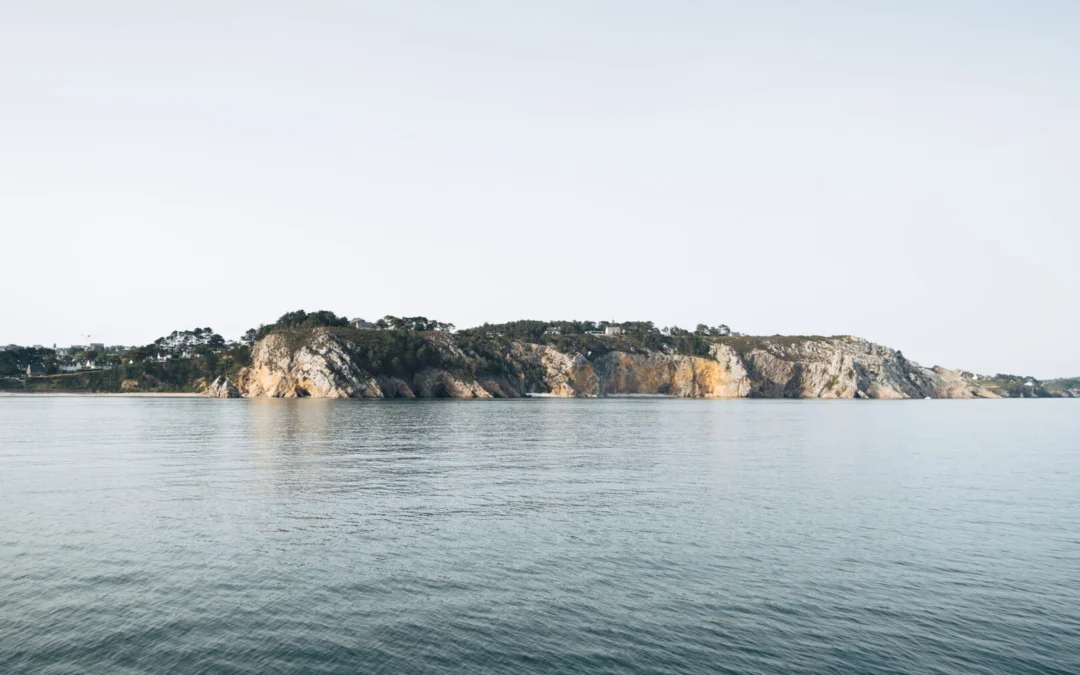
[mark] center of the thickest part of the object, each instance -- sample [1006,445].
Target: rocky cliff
[338,363]
[222,387]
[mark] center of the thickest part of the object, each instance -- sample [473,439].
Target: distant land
[321,354]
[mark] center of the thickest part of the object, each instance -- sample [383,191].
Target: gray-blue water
[144,535]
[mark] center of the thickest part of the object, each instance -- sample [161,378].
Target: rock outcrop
[222,387]
[329,364]
[721,376]
[321,366]
[847,367]
[955,384]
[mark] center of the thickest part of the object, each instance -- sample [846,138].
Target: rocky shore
[331,363]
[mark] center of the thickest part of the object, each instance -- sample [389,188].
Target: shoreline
[533,396]
[141,394]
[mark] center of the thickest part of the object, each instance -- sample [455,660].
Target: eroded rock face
[955,384]
[849,368]
[222,387]
[321,366]
[831,368]
[324,365]
[432,383]
[722,376]
[558,373]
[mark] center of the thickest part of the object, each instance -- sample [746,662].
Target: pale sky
[908,172]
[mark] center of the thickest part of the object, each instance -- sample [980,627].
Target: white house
[551,330]
[613,330]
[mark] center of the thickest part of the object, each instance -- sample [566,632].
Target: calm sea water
[538,536]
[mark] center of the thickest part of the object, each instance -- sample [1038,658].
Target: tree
[701,329]
[140,354]
[195,341]
[413,323]
[15,359]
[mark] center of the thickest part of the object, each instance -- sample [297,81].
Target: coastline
[132,394]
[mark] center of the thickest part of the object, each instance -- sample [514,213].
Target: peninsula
[320,354]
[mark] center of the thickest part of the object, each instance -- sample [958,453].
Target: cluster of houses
[71,359]
[721,330]
[609,330]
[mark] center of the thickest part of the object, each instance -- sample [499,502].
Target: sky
[908,172]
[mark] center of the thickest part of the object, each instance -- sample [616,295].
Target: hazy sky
[908,172]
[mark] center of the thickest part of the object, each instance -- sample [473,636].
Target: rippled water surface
[144,535]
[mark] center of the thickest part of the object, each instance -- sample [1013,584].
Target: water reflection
[190,536]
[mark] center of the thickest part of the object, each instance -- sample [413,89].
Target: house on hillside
[35,370]
[613,330]
[551,330]
[363,325]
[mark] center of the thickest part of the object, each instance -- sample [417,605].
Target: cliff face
[848,368]
[721,376]
[327,364]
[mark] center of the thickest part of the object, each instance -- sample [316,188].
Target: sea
[256,536]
